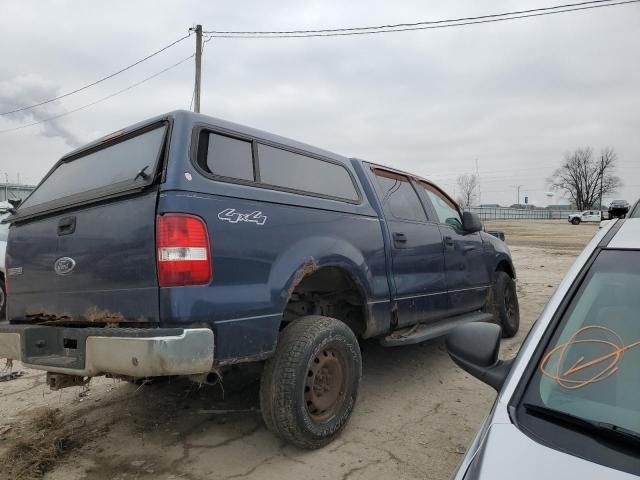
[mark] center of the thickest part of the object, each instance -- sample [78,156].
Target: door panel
[416,251]
[468,279]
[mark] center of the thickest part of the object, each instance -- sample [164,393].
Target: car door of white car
[590,216]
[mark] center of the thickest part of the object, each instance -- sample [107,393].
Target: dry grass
[40,444]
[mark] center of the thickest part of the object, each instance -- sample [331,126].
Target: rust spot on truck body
[307,268]
[95,315]
[92,316]
[41,316]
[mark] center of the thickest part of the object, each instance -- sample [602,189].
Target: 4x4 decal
[232,216]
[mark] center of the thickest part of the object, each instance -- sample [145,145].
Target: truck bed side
[264,243]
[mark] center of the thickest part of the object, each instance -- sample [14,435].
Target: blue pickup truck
[185,244]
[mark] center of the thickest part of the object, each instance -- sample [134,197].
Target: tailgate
[101,272]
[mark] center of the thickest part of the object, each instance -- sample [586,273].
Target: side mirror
[474,347]
[471,222]
[497,234]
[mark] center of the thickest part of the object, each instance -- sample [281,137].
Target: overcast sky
[515,96]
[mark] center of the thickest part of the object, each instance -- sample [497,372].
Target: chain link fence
[14,191]
[507,213]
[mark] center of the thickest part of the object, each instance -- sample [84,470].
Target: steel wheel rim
[324,384]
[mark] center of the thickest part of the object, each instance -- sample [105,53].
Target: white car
[586,216]
[568,405]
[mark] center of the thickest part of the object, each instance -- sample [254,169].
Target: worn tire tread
[504,281]
[277,389]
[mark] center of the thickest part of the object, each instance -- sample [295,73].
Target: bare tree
[468,185]
[585,178]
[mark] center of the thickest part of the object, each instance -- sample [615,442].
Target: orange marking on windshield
[608,362]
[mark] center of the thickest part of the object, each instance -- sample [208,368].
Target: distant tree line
[585,178]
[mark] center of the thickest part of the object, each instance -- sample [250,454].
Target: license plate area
[54,347]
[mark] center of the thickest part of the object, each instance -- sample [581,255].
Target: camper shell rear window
[124,163]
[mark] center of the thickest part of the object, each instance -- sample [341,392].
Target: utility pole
[196,95]
[479,188]
[517,187]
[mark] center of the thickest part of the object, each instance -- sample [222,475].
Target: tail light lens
[184,257]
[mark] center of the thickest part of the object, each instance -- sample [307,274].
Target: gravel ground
[416,413]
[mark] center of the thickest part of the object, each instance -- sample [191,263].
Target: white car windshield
[591,367]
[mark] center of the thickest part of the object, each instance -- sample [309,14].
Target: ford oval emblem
[64,265]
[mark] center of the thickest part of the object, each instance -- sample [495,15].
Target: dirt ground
[416,413]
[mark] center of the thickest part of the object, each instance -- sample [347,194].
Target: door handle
[468,248]
[448,241]
[66,226]
[399,237]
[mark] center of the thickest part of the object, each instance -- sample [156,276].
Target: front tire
[506,309]
[575,221]
[310,385]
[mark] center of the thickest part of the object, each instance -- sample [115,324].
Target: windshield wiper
[142,174]
[603,429]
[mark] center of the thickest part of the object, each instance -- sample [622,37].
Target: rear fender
[305,257]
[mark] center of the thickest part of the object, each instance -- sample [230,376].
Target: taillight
[184,257]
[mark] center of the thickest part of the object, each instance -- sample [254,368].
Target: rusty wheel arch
[327,290]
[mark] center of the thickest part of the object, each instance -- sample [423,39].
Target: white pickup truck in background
[586,216]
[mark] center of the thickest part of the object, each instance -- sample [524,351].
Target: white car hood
[508,454]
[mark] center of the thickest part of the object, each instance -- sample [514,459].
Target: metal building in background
[14,191]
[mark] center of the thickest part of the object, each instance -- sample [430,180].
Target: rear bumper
[96,351]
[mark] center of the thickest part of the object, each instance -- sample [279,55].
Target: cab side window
[399,197]
[446,210]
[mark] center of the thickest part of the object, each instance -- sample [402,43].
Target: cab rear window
[128,163]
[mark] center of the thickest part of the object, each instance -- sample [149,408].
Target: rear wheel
[506,310]
[575,221]
[309,387]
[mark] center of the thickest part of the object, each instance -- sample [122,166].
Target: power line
[499,17]
[101,99]
[44,102]
[399,25]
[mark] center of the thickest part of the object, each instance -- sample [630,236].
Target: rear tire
[575,221]
[309,387]
[506,310]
